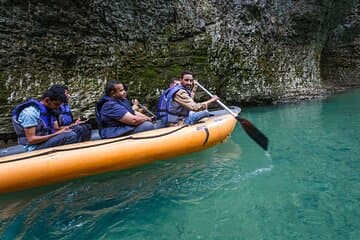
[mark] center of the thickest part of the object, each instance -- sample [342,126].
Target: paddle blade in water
[254,133]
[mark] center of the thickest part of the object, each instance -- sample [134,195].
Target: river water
[306,187]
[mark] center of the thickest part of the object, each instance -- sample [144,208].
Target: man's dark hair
[173,79]
[55,94]
[59,86]
[110,86]
[186,72]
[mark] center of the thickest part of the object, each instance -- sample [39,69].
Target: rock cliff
[246,51]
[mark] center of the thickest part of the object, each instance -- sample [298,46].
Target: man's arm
[77,122]
[141,114]
[121,114]
[183,98]
[134,120]
[28,119]
[56,125]
[32,138]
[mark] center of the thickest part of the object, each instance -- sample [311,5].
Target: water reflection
[230,150]
[66,210]
[307,188]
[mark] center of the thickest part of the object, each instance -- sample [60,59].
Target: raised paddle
[147,110]
[249,128]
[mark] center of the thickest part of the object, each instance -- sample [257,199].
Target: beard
[189,87]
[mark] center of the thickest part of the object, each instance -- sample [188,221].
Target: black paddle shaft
[249,128]
[254,133]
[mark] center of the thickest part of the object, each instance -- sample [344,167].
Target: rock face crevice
[340,59]
[247,52]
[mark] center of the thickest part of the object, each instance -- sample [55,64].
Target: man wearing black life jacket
[114,114]
[34,122]
[176,105]
[65,118]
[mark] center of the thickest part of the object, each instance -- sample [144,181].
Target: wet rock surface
[247,52]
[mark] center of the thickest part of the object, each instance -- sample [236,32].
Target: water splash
[268,155]
[256,172]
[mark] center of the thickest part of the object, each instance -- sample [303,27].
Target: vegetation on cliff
[253,51]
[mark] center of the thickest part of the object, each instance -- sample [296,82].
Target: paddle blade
[254,133]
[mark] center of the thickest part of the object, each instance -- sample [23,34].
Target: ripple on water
[307,188]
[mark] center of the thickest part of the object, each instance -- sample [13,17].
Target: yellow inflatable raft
[43,167]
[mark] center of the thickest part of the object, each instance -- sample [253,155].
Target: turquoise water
[306,187]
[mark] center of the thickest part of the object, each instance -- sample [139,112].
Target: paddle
[147,110]
[249,128]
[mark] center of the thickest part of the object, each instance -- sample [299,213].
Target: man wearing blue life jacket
[114,114]
[173,82]
[34,122]
[64,117]
[176,105]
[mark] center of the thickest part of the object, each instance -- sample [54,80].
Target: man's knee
[145,126]
[83,132]
[148,126]
[86,132]
[194,117]
[69,137]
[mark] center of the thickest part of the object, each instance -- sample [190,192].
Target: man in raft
[114,114]
[65,118]
[34,122]
[177,106]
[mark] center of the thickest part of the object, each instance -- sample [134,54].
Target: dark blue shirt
[111,112]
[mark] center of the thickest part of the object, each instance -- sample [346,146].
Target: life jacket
[109,128]
[65,116]
[45,124]
[170,111]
